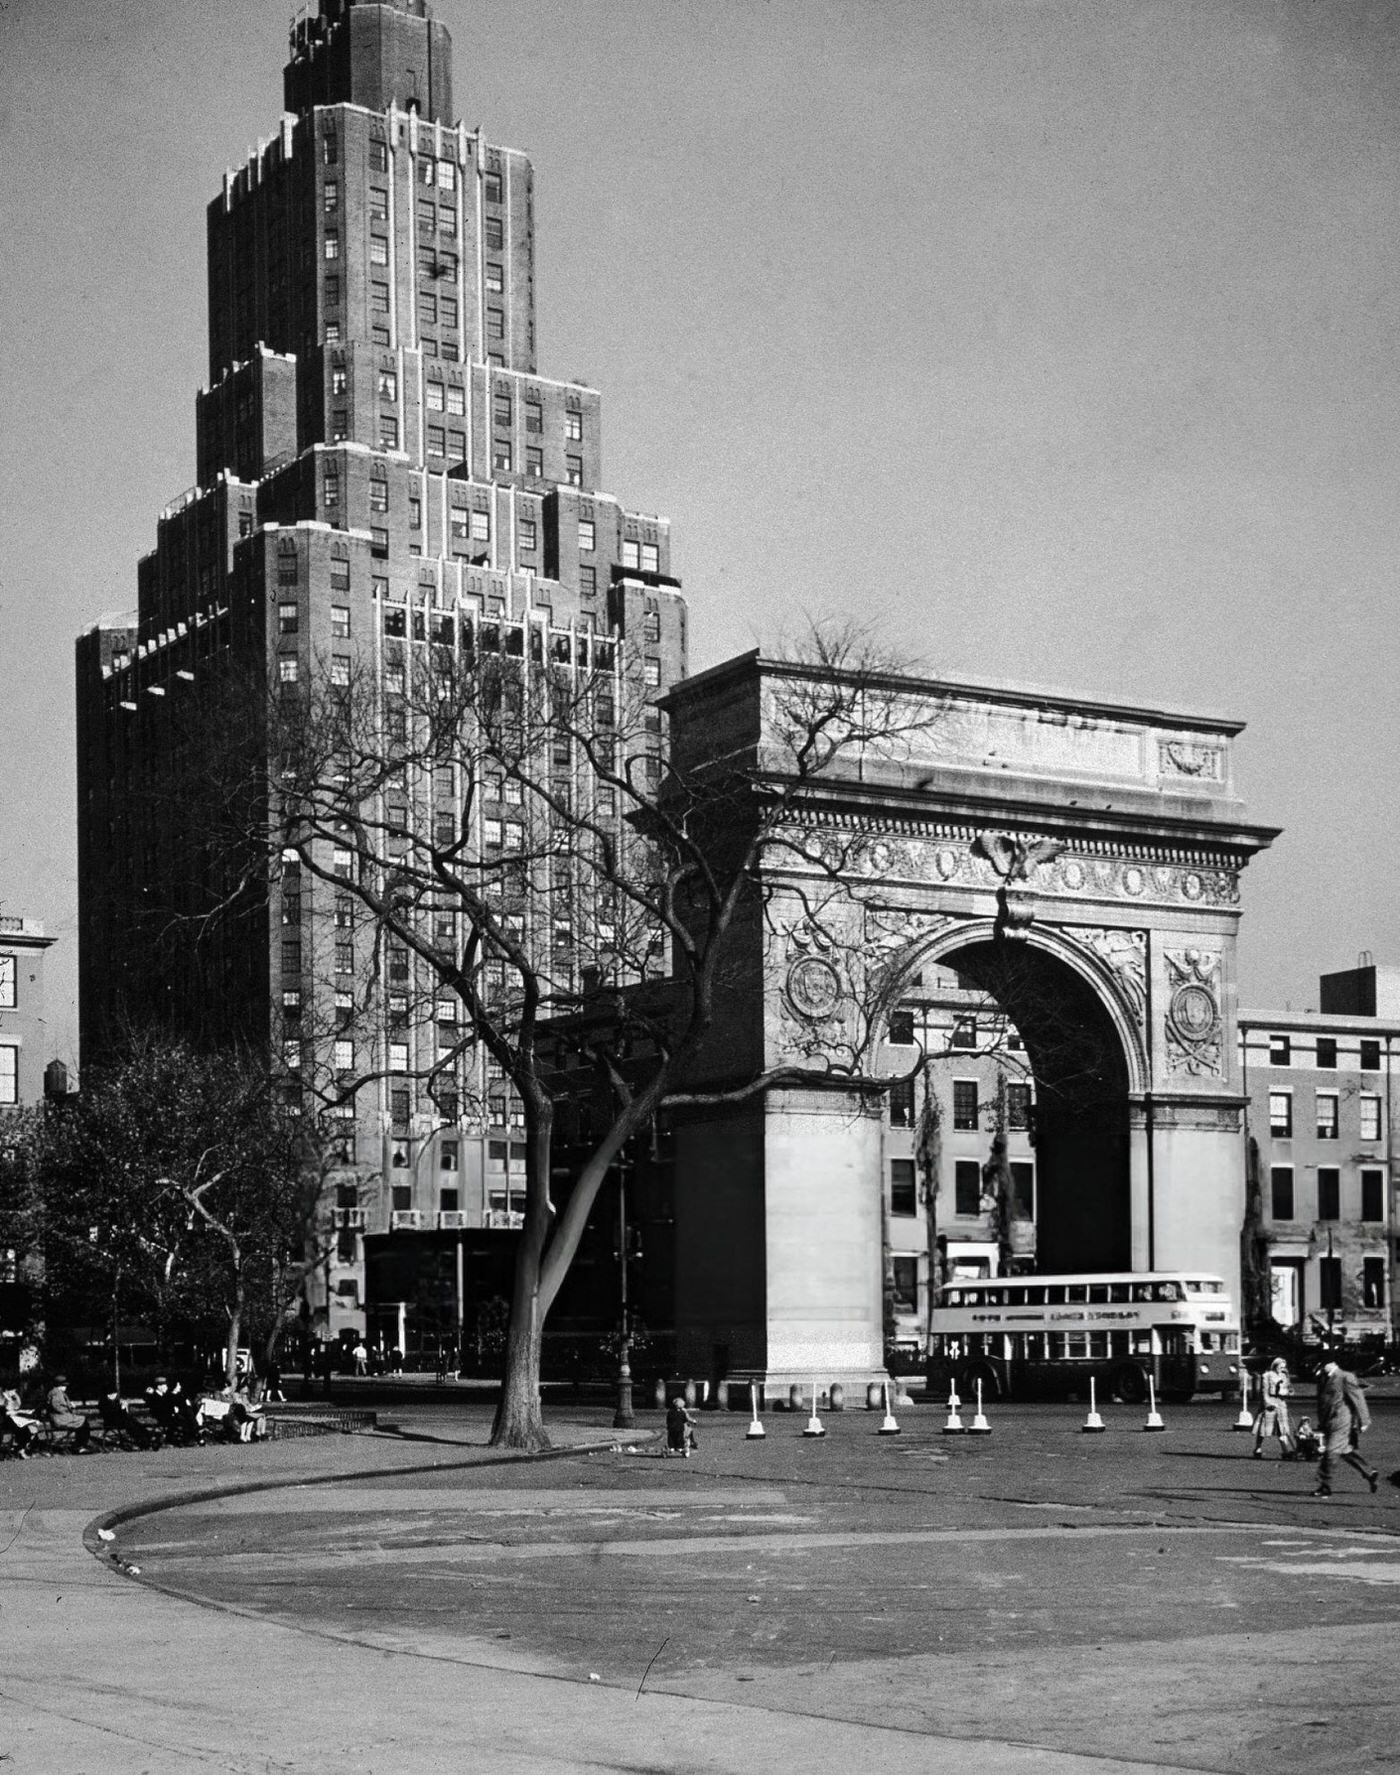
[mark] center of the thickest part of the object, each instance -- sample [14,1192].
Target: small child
[1307,1444]
[680,1434]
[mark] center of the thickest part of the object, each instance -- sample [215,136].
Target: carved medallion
[1133,880]
[1193,1024]
[813,988]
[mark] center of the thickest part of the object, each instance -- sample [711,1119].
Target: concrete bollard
[836,1399]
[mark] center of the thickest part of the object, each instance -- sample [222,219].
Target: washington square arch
[1080,863]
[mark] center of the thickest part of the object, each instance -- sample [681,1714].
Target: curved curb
[105,1554]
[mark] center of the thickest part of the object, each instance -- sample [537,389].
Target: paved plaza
[1037,1600]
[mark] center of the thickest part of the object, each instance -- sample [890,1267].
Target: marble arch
[1099,848]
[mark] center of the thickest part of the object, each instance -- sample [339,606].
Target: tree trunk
[235,1323]
[520,1416]
[116,1333]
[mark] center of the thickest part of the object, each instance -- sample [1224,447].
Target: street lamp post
[623,1418]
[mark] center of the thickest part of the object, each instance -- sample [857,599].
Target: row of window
[967,1188]
[1327,1118]
[1285,1051]
[1283,1195]
[966,1105]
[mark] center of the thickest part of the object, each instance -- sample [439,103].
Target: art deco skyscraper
[378,465]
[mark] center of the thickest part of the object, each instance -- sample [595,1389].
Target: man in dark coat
[1341,1417]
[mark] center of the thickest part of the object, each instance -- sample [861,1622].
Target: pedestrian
[361,1357]
[272,1381]
[1273,1411]
[680,1434]
[1341,1417]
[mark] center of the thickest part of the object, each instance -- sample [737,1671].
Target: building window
[378,204]
[573,470]
[344,1057]
[492,187]
[1370,1107]
[495,278]
[1281,1192]
[291,956]
[1327,1115]
[456,400]
[904,1196]
[495,233]
[651,558]
[631,552]
[287,616]
[1280,1050]
[965,1103]
[964,1033]
[437,441]
[343,862]
[902,1104]
[1327,1053]
[388,432]
[1370,1055]
[528,535]
[495,323]
[1329,1193]
[379,297]
[501,459]
[332,246]
[330,148]
[651,673]
[1372,1194]
[901,1028]
[398,1056]
[340,670]
[287,668]
[534,463]
[378,250]
[9,1074]
[1281,1115]
[1329,1276]
[967,1188]
[340,620]
[1023,1189]
[481,526]
[379,493]
[573,426]
[587,535]
[1373,1282]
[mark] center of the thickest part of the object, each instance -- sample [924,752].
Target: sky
[1056,339]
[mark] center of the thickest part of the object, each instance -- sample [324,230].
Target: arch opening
[1082,1079]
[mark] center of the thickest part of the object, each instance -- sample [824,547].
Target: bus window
[1055,1345]
[1098,1293]
[1055,1297]
[1118,1291]
[953,1297]
[1035,1297]
[974,1343]
[1034,1346]
[1076,1345]
[1098,1346]
[1075,1291]
[1119,1343]
[1177,1343]
[1142,1342]
[993,1297]
[1142,1291]
[1170,1291]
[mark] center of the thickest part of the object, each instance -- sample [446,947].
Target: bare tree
[534,880]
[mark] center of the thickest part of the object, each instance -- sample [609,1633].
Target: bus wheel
[1130,1385]
[979,1371]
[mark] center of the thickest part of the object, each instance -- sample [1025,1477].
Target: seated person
[21,1426]
[63,1415]
[128,1429]
[170,1406]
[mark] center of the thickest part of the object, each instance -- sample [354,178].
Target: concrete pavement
[1036,1601]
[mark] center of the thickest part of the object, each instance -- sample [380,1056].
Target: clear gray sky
[1058,336]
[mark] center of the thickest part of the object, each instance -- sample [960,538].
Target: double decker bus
[1042,1337]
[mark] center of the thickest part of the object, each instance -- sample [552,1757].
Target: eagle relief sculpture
[1013,858]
